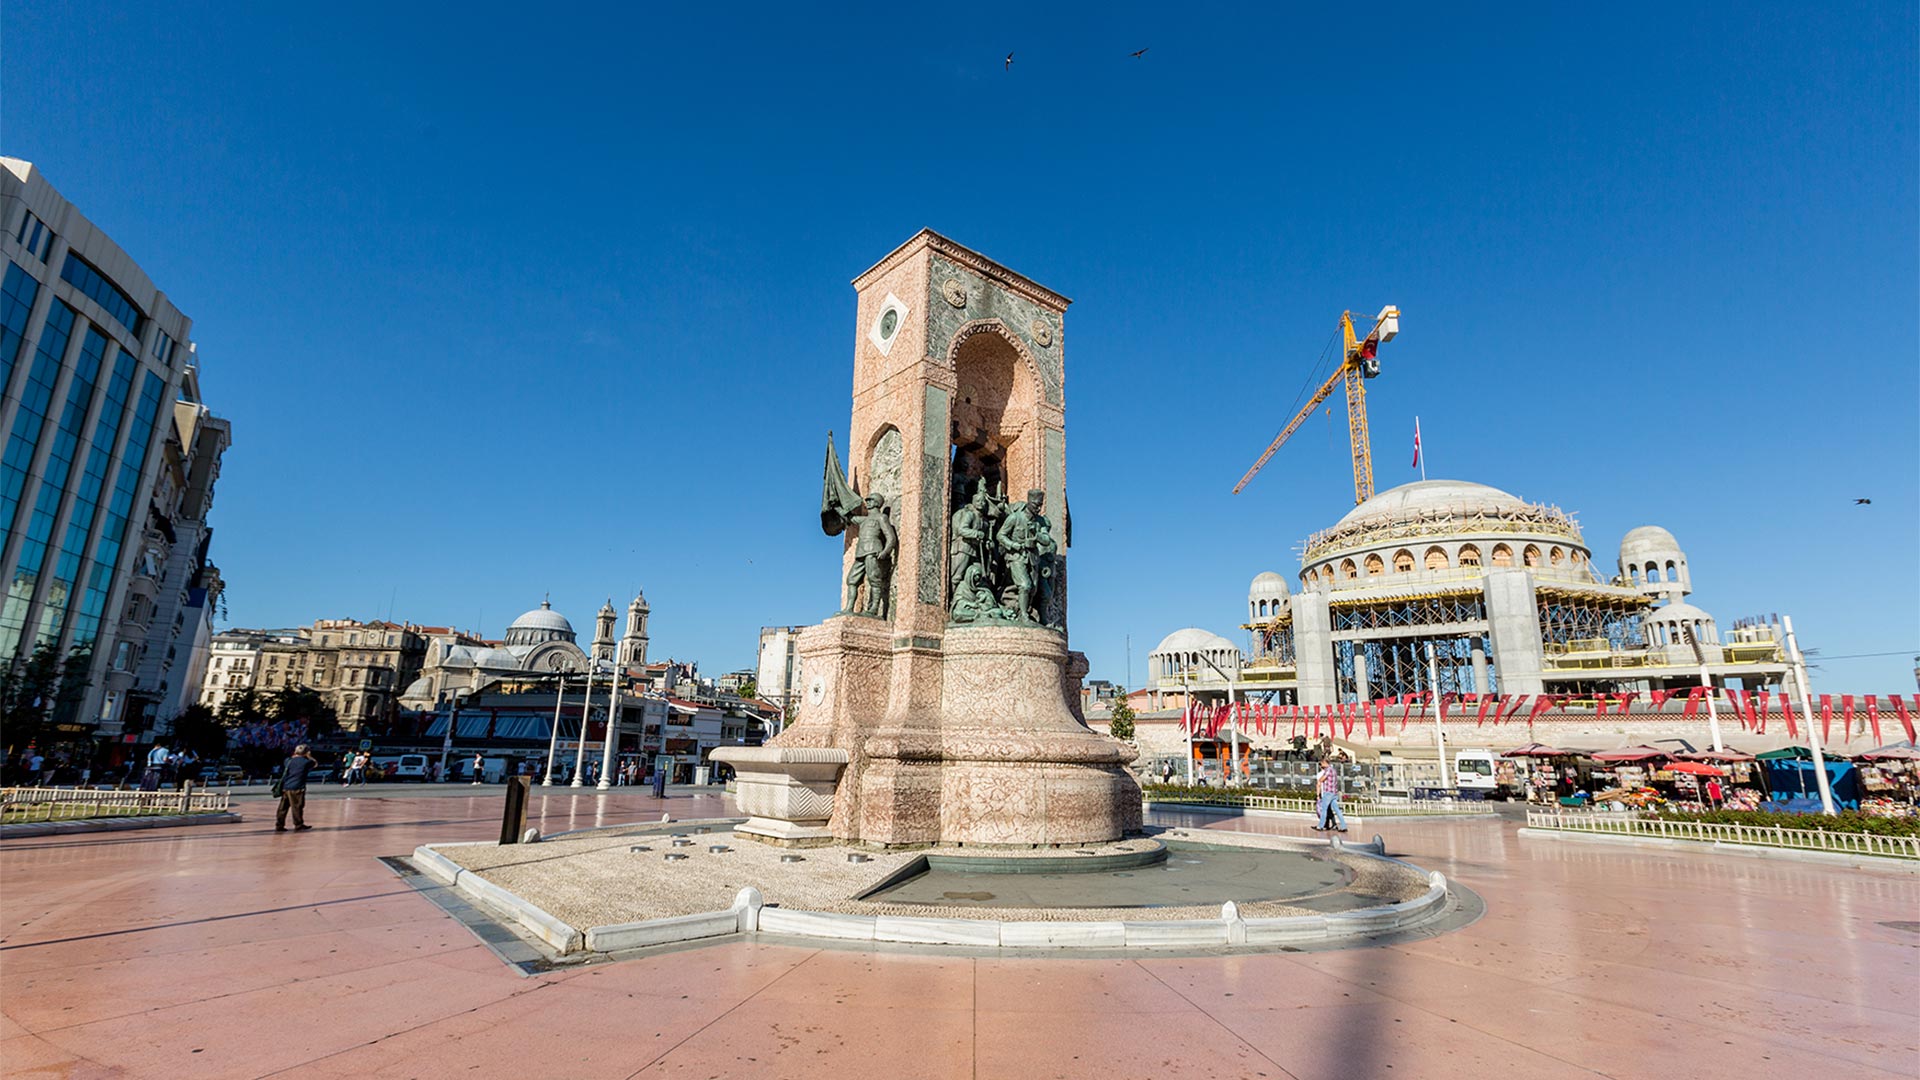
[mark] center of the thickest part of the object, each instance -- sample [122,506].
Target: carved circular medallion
[817,690]
[1042,333]
[955,292]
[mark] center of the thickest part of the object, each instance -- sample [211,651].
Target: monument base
[1007,764]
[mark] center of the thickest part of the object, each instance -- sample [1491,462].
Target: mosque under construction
[1465,589]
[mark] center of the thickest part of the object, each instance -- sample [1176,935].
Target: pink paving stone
[232,951]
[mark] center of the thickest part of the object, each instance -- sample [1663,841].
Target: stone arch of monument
[995,425]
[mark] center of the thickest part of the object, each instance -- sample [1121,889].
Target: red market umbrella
[1630,754]
[1697,768]
[1534,749]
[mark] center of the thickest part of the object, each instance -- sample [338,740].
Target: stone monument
[943,694]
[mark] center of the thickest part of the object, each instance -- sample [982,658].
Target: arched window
[1579,557]
[1348,570]
[1436,558]
[1557,557]
[1375,565]
[1672,571]
[1502,555]
[1531,556]
[1469,555]
[1403,561]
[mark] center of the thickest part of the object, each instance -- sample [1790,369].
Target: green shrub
[1849,822]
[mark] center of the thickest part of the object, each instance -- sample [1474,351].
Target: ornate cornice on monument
[972,260]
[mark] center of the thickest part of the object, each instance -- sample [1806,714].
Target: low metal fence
[21,805]
[1305,805]
[1618,824]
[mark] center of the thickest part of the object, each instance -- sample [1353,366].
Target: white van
[1473,770]
[403,766]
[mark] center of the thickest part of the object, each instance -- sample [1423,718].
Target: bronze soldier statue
[1026,542]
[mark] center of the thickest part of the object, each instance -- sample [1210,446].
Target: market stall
[1890,781]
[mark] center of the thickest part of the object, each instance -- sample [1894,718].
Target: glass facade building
[92,361]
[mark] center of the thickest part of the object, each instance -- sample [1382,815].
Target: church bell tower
[633,646]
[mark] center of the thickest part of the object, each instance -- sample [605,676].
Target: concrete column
[1313,648]
[1360,671]
[1513,615]
[1479,667]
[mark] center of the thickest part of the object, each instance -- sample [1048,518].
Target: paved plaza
[231,951]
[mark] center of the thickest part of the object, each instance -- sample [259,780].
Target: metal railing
[1850,843]
[1303,805]
[25,805]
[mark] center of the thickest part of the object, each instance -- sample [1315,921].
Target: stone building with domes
[1464,588]
[540,642]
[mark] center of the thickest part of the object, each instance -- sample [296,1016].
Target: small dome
[1268,586]
[1678,611]
[1194,640]
[542,618]
[1648,538]
[421,687]
[1427,496]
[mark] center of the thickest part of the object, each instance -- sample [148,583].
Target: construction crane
[1360,361]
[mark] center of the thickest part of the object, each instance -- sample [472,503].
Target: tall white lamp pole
[1439,733]
[553,737]
[613,728]
[580,746]
[1806,709]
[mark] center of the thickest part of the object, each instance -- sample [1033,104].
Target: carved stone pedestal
[787,792]
[1006,763]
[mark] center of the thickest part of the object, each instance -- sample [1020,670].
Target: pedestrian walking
[293,790]
[1329,817]
[479,765]
[1713,792]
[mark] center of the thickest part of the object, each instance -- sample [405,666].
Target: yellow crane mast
[1359,362]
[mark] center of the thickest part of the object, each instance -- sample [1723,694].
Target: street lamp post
[613,729]
[1439,732]
[1706,685]
[1799,663]
[580,745]
[1233,734]
[553,737]
[446,741]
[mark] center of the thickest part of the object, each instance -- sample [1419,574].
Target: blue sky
[504,301]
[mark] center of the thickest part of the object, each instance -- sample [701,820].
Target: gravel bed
[592,879]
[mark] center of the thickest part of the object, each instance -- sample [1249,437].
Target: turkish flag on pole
[1416,443]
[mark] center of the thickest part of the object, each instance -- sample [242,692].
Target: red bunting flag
[1906,718]
[1873,716]
[1486,703]
[1846,715]
[1659,697]
[1693,703]
[1786,713]
[1826,718]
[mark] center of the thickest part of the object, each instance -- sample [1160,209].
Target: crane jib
[1360,361]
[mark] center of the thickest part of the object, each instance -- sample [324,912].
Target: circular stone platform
[613,889]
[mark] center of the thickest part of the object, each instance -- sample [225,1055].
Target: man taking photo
[293,790]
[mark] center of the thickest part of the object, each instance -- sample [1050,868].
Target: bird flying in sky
[1863,502]
[1009,66]
[1138,53]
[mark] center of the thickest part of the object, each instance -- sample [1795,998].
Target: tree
[28,691]
[749,688]
[304,705]
[1121,726]
[198,730]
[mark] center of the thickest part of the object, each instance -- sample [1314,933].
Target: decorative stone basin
[785,791]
